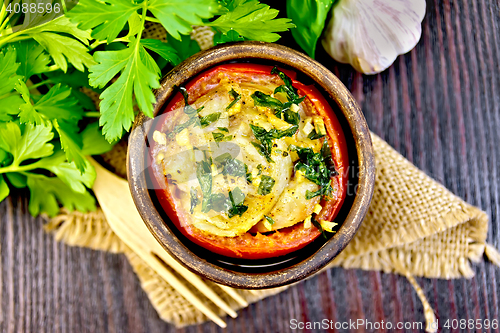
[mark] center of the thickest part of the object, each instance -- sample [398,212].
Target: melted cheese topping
[183,152]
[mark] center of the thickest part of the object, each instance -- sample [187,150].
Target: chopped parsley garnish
[231,166]
[261,99]
[279,108]
[233,204]
[236,97]
[223,129]
[318,225]
[266,185]
[204,175]
[190,111]
[208,119]
[218,137]
[327,158]
[317,167]
[315,135]
[266,137]
[288,88]
[269,219]
[194,199]
[236,198]
[291,117]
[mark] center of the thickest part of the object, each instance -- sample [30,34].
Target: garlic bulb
[370,34]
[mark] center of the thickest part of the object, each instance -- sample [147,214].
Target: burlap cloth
[414,227]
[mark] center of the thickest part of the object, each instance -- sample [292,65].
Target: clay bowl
[264,273]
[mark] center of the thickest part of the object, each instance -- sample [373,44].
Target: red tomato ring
[283,241]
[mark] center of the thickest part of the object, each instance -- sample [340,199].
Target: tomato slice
[283,241]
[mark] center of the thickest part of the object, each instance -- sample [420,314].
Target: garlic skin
[370,34]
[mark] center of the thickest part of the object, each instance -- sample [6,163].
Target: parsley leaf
[31,150]
[230,36]
[139,74]
[32,144]
[185,47]
[47,191]
[231,166]
[8,68]
[93,141]
[63,110]
[204,175]
[251,19]
[266,185]
[106,19]
[317,168]
[236,198]
[314,135]
[265,138]
[291,117]
[210,118]
[32,57]
[164,50]
[236,97]
[261,99]
[288,88]
[61,47]
[177,16]
[4,189]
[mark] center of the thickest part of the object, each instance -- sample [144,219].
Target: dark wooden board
[439,106]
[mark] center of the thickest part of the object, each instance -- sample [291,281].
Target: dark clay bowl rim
[347,105]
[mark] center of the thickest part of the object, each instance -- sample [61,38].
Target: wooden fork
[114,197]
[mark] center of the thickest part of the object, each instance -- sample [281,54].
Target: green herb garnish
[316,168]
[261,99]
[236,97]
[218,137]
[314,135]
[266,137]
[269,219]
[208,119]
[194,199]
[204,175]
[266,185]
[190,111]
[318,225]
[291,117]
[288,88]
[236,198]
[231,166]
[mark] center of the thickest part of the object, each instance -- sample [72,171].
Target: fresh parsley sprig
[42,146]
[137,70]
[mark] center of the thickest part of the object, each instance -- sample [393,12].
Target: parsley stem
[152,19]
[39,84]
[17,168]
[53,68]
[92,114]
[9,94]
[100,42]
[2,14]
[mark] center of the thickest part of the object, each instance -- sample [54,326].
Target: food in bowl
[250,163]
